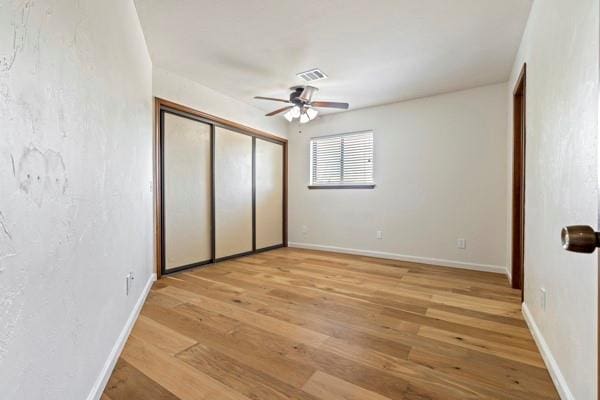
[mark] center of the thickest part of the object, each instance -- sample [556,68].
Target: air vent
[312,75]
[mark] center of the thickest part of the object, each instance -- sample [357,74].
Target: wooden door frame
[162,105]
[518,183]
[598,250]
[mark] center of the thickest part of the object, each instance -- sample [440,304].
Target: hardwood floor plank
[176,376]
[157,297]
[485,346]
[243,378]
[417,375]
[509,330]
[493,307]
[128,383]
[310,325]
[460,329]
[224,336]
[283,328]
[516,381]
[327,387]
[456,283]
[164,338]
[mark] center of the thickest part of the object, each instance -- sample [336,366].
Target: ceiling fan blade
[271,98]
[330,104]
[278,111]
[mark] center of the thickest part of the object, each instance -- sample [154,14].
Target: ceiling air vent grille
[314,74]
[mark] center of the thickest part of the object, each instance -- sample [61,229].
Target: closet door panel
[186,191]
[269,194]
[233,193]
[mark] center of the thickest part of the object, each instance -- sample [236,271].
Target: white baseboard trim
[557,377]
[401,257]
[110,363]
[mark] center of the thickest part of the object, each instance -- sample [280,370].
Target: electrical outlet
[379,234]
[129,283]
[543,298]
[461,243]
[304,230]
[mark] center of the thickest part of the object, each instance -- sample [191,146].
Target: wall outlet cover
[543,298]
[129,283]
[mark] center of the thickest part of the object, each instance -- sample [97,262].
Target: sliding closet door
[233,193]
[186,192]
[269,194]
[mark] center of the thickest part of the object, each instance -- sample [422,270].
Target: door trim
[253,193]
[518,182]
[598,259]
[162,105]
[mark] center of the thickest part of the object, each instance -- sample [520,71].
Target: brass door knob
[579,238]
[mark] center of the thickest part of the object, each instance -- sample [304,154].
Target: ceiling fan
[301,105]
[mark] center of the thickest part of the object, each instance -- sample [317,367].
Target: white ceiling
[375,52]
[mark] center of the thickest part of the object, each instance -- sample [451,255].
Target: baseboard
[401,257]
[557,377]
[110,363]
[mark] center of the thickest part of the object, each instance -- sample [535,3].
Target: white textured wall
[560,47]
[178,89]
[440,171]
[75,201]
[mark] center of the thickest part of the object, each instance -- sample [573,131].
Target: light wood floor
[297,324]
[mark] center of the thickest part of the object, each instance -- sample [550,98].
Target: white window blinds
[342,160]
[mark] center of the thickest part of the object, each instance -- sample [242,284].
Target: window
[342,161]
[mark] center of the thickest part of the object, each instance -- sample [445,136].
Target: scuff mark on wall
[61,121]
[41,174]
[18,24]
[56,175]
[32,170]
[3,226]
[4,92]
[11,310]
[6,247]
[12,162]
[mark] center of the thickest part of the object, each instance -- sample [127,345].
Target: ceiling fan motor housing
[301,95]
[295,95]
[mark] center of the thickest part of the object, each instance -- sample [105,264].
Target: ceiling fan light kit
[301,105]
[293,113]
[312,113]
[305,115]
[304,118]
